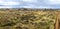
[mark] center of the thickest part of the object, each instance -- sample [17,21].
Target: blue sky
[29,3]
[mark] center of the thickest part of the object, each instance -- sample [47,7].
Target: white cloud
[27,6]
[30,1]
[11,3]
[5,7]
[35,7]
[53,2]
[3,2]
[43,7]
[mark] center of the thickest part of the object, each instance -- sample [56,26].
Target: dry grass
[14,19]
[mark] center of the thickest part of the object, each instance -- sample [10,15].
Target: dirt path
[57,20]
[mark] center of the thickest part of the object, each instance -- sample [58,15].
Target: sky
[29,3]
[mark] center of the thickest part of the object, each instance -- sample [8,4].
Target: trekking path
[57,21]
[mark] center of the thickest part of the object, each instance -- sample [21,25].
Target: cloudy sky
[29,3]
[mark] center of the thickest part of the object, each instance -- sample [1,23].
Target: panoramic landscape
[29,18]
[29,14]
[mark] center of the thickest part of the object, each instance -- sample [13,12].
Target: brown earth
[57,24]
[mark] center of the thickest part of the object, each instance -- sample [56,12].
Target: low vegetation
[27,19]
